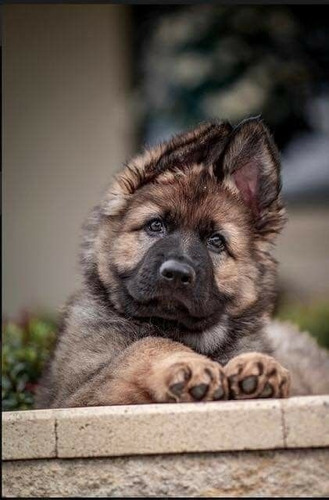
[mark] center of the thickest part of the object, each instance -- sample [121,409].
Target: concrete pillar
[67,128]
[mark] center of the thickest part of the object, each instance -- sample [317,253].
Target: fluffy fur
[127,319]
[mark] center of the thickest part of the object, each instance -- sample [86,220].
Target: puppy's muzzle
[175,273]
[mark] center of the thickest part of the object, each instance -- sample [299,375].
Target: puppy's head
[184,233]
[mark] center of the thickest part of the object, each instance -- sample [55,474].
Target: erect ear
[183,151]
[251,167]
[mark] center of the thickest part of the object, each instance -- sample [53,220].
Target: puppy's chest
[222,343]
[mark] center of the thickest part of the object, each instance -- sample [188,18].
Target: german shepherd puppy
[179,280]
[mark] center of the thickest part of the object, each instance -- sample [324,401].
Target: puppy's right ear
[198,146]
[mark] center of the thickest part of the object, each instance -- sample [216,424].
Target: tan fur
[266,377]
[121,342]
[235,276]
[307,363]
[151,368]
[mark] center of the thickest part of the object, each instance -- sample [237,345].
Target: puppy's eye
[155,226]
[216,243]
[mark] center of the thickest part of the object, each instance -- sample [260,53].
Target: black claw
[260,367]
[177,388]
[267,392]
[249,384]
[218,394]
[199,391]
[209,373]
[283,381]
[281,386]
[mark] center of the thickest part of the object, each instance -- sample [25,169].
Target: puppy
[179,282]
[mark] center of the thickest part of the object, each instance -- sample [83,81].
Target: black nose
[177,272]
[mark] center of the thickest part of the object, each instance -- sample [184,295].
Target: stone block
[170,428]
[306,421]
[28,434]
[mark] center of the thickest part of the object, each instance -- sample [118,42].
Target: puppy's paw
[255,375]
[186,377]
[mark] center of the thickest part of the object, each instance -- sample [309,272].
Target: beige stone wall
[298,422]
[232,448]
[281,473]
[67,128]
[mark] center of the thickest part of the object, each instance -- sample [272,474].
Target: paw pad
[195,378]
[199,391]
[177,389]
[255,375]
[249,384]
[219,394]
[267,392]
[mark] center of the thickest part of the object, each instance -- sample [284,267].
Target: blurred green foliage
[26,346]
[312,317]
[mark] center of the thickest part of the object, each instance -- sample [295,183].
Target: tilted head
[184,233]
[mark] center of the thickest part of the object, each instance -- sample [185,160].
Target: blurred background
[87,86]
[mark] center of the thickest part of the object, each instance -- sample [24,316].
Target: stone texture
[153,429]
[28,434]
[306,421]
[162,429]
[173,440]
[281,473]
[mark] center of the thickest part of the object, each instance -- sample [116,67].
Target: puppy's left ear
[251,168]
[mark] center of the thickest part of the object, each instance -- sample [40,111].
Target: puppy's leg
[156,370]
[256,375]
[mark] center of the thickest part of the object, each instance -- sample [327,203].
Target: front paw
[186,377]
[255,375]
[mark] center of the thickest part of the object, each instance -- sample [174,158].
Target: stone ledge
[165,429]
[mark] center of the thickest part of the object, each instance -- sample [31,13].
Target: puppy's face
[186,239]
